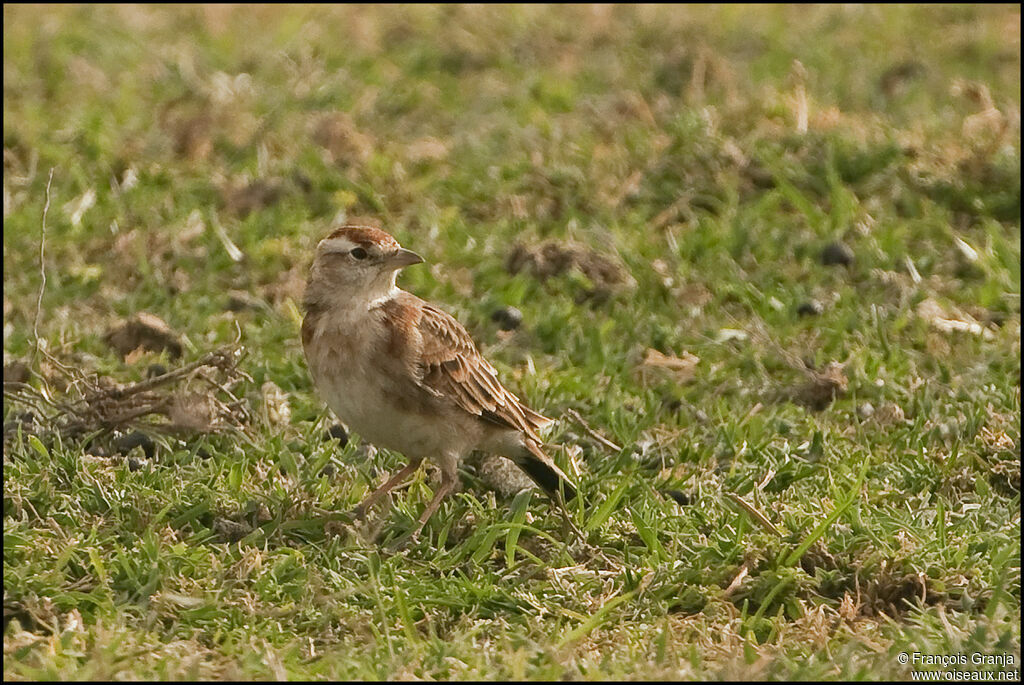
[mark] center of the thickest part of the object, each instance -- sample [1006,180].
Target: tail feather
[544,472]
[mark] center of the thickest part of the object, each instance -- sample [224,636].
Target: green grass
[667,138]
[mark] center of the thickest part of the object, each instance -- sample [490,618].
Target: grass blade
[519,506]
[851,497]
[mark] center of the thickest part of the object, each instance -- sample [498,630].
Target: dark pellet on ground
[337,432]
[507,318]
[126,443]
[135,464]
[836,253]
[809,308]
[154,370]
[328,470]
[680,497]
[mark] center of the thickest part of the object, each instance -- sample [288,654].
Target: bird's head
[357,263]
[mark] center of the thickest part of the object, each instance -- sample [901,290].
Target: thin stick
[42,272]
[736,581]
[590,431]
[26,394]
[560,505]
[99,408]
[760,518]
[212,359]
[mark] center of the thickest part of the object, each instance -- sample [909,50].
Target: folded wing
[446,363]
[452,366]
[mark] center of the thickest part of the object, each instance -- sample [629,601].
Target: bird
[405,375]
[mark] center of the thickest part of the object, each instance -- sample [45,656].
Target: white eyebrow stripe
[338,244]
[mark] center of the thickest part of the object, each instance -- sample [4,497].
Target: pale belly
[368,408]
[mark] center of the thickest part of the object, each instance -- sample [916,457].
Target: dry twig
[42,272]
[591,432]
[102,407]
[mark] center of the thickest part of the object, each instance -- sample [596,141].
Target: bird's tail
[544,472]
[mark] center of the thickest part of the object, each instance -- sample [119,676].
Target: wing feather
[449,364]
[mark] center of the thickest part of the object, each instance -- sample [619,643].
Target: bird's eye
[359,253]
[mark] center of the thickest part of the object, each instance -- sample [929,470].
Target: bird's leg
[399,476]
[446,488]
[564,511]
[449,478]
[580,535]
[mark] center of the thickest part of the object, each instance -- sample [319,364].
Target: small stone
[146,331]
[232,530]
[503,476]
[155,370]
[337,432]
[365,452]
[126,443]
[866,410]
[809,308]
[275,404]
[257,513]
[507,318]
[890,413]
[823,386]
[193,412]
[263,514]
[836,253]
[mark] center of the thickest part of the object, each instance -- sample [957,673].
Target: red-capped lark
[404,374]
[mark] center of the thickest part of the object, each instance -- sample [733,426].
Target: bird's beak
[403,258]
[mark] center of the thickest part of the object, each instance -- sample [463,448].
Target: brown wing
[445,363]
[453,367]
